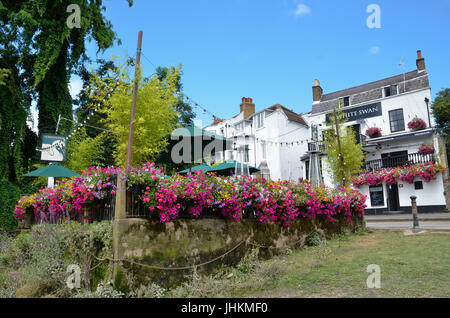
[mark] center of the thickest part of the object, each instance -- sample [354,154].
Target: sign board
[53,148]
[361,112]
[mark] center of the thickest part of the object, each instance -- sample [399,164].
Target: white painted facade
[272,140]
[281,143]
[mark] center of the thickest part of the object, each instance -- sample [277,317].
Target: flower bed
[424,171]
[417,124]
[197,194]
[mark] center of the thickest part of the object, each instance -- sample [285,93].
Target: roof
[327,101]
[53,170]
[290,114]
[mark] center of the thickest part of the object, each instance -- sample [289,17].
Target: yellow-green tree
[351,150]
[155,118]
[84,151]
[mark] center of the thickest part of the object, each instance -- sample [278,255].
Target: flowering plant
[374,132]
[424,171]
[417,124]
[195,195]
[425,149]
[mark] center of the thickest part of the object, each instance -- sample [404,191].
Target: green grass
[411,266]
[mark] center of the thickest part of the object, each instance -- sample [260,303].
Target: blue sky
[272,50]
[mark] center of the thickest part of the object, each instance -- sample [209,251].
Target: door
[393,200]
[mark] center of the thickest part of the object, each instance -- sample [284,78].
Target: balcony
[316,146]
[398,161]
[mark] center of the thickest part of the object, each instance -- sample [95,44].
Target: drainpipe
[428,111]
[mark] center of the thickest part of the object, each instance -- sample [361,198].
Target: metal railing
[398,161]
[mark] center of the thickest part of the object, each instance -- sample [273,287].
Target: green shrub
[39,258]
[9,195]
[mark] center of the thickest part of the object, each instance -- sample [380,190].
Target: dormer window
[390,91]
[345,101]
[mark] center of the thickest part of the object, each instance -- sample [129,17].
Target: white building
[389,104]
[278,139]
[270,137]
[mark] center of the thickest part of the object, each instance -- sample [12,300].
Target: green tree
[351,150]
[441,112]
[186,115]
[85,151]
[156,116]
[55,48]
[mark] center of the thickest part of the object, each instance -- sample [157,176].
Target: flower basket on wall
[425,149]
[417,124]
[374,132]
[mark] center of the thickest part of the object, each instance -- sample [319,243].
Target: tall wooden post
[133,105]
[341,157]
[120,206]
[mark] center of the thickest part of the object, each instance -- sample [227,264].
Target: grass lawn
[411,266]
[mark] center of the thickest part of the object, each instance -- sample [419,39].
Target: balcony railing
[398,161]
[316,146]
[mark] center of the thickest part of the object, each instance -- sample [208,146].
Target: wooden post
[133,105]
[344,181]
[120,205]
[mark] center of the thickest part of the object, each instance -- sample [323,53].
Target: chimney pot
[317,91]
[420,62]
[247,107]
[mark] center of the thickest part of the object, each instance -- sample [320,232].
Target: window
[239,127]
[418,185]
[376,195]
[390,90]
[259,120]
[396,120]
[246,158]
[344,101]
[314,132]
[347,101]
[222,132]
[263,150]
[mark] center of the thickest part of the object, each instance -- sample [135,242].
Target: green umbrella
[203,167]
[53,170]
[228,167]
[197,139]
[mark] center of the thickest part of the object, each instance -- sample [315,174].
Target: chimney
[247,107]
[317,91]
[420,62]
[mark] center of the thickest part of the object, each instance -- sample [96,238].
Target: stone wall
[187,242]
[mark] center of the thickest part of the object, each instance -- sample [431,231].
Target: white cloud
[374,50]
[302,9]
[75,87]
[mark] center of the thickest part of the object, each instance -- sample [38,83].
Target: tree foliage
[156,116]
[50,49]
[351,151]
[441,111]
[85,151]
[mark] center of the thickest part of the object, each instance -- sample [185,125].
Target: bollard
[415,214]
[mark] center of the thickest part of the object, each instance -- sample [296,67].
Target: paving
[407,217]
[427,221]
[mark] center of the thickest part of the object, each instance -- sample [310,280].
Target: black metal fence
[398,161]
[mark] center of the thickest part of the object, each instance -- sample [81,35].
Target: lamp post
[415,228]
